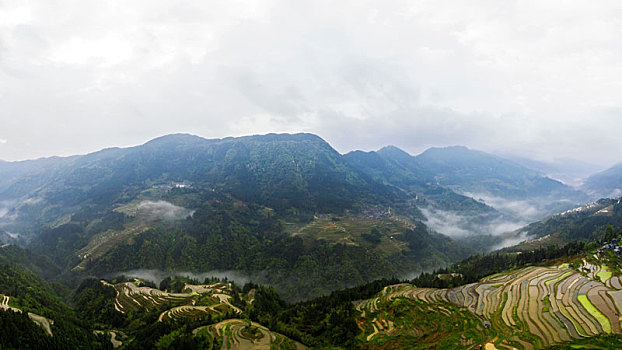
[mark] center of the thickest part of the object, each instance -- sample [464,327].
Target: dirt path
[224,299]
[42,321]
[5,302]
[375,331]
[113,339]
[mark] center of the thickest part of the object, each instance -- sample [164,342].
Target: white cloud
[3,141]
[163,210]
[531,77]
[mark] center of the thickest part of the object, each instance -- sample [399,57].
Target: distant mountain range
[605,184]
[273,206]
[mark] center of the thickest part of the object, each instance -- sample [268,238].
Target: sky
[537,79]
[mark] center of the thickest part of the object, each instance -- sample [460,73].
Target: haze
[535,79]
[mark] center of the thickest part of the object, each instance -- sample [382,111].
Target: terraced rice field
[220,305]
[103,242]
[113,338]
[232,336]
[533,307]
[413,324]
[45,323]
[130,297]
[349,231]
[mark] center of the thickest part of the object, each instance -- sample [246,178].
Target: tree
[609,233]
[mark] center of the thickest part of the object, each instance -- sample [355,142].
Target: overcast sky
[542,79]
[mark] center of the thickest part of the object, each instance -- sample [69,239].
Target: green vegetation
[605,274]
[603,342]
[513,308]
[413,324]
[29,294]
[245,195]
[525,309]
[604,322]
[95,303]
[223,234]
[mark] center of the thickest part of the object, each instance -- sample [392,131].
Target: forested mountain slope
[274,207]
[295,173]
[584,223]
[393,166]
[33,316]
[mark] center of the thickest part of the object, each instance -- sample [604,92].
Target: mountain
[471,171]
[41,266]
[584,223]
[474,197]
[503,184]
[605,184]
[272,207]
[298,173]
[446,211]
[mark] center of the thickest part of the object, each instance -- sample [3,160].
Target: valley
[365,250]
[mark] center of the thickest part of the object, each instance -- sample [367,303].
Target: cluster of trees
[94,303]
[321,322]
[29,292]
[476,267]
[17,329]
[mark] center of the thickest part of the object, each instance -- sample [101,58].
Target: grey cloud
[523,78]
